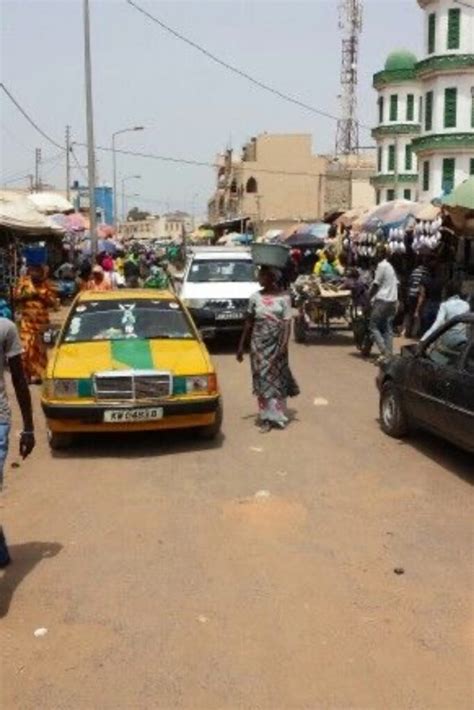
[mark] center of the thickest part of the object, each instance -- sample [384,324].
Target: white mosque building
[425,131]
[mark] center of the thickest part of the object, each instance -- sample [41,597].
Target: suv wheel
[393,419]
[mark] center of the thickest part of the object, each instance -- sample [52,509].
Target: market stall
[24,231]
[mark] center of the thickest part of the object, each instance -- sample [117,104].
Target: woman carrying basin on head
[269,324]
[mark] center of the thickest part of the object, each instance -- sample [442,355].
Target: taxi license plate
[230,315]
[118,416]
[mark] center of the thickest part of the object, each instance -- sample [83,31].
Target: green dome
[400,59]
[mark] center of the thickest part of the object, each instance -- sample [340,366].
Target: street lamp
[124,180]
[114,161]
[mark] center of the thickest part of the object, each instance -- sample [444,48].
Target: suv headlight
[195,303]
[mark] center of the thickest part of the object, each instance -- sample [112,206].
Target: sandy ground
[164,581]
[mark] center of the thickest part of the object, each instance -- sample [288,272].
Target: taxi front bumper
[84,418]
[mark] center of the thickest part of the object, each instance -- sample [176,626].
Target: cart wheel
[299,330]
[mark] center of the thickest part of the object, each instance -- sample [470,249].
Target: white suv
[217,285]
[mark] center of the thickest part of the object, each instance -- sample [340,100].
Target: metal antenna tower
[350,22]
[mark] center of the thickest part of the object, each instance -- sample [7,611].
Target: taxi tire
[213,430]
[59,442]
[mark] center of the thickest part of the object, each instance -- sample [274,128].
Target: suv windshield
[222,271]
[130,319]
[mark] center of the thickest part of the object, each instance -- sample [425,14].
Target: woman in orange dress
[35,297]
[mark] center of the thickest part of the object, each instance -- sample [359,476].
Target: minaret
[445,146]
[398,108]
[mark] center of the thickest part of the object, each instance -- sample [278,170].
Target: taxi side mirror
[50,336]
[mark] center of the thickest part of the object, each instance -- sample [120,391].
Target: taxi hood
[82,360]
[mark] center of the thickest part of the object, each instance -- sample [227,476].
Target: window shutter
[408,157]
[379,159]
[472,106]
[410,107]
[426,176]
[407,194]
[431,33]
[390,195]
[449,167]
[394,107]
[450,108]
[377,197]
[381,109]
[429,111]
[454,28]
[471,166]
[420,110]
[391,158]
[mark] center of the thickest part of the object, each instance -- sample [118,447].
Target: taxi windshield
[127,320]
[222,271]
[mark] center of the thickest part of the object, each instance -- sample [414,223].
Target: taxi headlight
[201,384]
[62,388]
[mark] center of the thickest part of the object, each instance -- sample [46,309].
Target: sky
[190,107]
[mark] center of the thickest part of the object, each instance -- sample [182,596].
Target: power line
[235,70]
[28,117]
[205,164]
[19,174]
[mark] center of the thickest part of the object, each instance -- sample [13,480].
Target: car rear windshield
[124,320]
[222,271]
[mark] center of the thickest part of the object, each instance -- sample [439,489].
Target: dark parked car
[431,385]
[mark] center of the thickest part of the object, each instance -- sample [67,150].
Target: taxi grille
[132,386]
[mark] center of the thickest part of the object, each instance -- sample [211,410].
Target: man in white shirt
[10,352]
[384,292]
[453,305]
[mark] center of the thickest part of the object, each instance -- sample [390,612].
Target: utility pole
[68,162]
[90,129]
[38,169]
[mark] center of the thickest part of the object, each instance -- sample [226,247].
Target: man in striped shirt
[417,277]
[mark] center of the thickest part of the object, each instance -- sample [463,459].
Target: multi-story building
[425,131]
[277,180]
[445,147]
[168,226]
[398,123]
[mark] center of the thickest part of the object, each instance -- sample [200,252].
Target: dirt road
[255,573]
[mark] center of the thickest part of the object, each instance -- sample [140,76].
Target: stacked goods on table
[313,287]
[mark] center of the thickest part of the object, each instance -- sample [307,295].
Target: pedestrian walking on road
[10,352]
[268,325]
[429,300]
[417,277]
[384,292]
[35,298]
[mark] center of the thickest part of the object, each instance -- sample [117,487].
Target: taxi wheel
[213,430]
[59,442]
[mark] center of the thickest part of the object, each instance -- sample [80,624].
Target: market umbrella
[427,211]
[389,214]
[307,241]
[460,205]
[75,222]
[347,219]
[317,229]
[462,196]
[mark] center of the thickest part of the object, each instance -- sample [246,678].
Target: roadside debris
[39,633]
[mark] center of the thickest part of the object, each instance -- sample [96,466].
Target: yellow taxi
[129,360]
